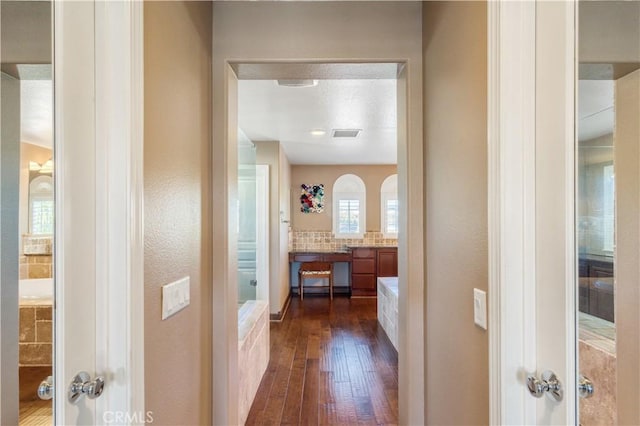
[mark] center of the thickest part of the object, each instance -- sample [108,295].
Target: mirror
[607,182]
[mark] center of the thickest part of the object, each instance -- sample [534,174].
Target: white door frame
[518,194]
[262,231]
[119,269]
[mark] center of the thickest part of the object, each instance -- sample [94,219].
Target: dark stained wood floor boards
[331,363]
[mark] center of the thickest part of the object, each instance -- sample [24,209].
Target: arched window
[41,207]
[349,197]
[389,207]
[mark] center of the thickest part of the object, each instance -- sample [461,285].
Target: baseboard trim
[279,317]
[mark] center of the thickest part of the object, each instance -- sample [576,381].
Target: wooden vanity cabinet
[363,271]
[369,263]
[387,262]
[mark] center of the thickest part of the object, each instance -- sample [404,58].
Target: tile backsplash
[325,241]
[32,244]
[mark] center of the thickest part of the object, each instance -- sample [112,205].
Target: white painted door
[549,66]
[75,173]
[98,247]
[532,223]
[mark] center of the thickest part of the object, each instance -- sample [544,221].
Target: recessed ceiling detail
[346,133]
[297,83]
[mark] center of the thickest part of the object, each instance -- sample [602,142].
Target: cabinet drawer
[363,281]
[337,257]
[307,258]
[364,252]
[363,266]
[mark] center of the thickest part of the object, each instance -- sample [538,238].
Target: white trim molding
[512,195]
[119,208]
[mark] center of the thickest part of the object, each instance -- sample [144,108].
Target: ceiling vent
[346,133]
[297,83]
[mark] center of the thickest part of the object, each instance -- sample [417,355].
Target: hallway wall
[177,137]
[455,111]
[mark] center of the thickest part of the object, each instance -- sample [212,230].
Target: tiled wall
[324,241]
[37,244]
[36,335]
[36,266]
[600,367]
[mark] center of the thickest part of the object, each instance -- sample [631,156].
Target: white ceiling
[36,112]
[595,108]
[267,111]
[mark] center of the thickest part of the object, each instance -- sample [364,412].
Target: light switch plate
[175,297]
[480,308]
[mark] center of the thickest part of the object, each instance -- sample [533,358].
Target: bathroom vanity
[355,269]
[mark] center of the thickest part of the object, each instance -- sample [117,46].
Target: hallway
[331,363]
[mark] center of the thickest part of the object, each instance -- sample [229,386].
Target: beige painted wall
[28,152]
[627,292]
[272,154]
[284,183]
[330,32]
[455,99]
[9,202]
[609,31]
[373,176]
[177,129]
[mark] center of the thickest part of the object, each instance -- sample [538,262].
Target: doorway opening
[328,134]
[28,212]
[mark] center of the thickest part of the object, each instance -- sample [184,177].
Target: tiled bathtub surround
[597,359]
[324,241]
[253,352]
[599,366]
[36,335]
[388,307]
[36,266]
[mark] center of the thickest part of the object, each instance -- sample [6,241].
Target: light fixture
[44,168]
[47,167]
[318,132]
[297,83]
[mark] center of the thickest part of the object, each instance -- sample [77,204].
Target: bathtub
[36,291]
[388,307]
[253,352]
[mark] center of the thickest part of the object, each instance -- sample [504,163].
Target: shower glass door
[247,235]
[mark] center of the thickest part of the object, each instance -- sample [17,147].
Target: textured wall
[177,104]
[627,166]
[455,99]
[9,198]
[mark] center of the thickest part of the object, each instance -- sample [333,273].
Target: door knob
[585,387]
[548,383]
[83,385]
[45,390]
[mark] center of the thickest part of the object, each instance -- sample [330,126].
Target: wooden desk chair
[316,270]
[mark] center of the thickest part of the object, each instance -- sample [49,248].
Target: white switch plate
[480,308]
[175,297]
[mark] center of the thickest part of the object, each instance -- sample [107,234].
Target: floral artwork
[312,198]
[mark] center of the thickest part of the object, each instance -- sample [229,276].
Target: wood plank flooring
[331,363]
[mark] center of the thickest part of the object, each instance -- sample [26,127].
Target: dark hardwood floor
[331,363]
